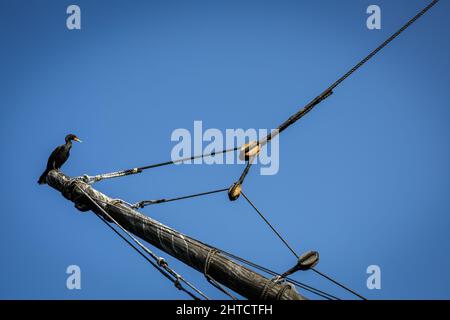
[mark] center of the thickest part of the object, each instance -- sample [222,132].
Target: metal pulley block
[235,191]
[307,261]
[249,150]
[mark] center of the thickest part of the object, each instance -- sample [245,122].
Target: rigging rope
[329,91]
[337,283]
[144,203]
[294,253]
[270,225]
[122,173]
[167,275]
[161,265]
[246,170]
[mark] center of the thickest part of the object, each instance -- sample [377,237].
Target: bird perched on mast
[58,157]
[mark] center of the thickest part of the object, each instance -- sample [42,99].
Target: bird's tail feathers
[43,178]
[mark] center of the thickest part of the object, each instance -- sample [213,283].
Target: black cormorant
[58,157]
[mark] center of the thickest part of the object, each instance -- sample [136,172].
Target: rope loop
[265,291]
[286,286]
[208,260]
[68,192]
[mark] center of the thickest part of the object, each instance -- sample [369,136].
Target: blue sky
[364,178]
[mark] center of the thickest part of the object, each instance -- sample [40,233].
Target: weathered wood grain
[195,254]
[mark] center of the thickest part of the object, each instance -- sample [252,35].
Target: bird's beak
[77,140]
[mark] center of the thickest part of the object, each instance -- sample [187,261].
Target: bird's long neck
[68,144]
